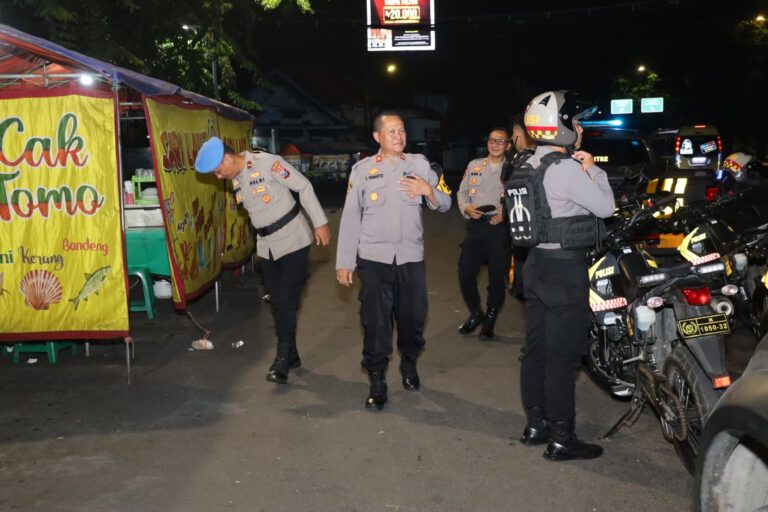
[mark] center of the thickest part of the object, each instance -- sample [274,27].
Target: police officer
[381,234]
[556,282]
[487,240]
[263,184]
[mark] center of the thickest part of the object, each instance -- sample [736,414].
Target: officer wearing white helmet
[381,234]
[487,239]
[263,184]
[555,273]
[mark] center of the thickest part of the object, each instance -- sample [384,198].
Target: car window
[616,151]
[698,145]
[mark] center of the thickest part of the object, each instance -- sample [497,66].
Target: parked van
[698,147]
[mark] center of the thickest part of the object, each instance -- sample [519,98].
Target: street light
[641,69]
[391,69]
[760,18]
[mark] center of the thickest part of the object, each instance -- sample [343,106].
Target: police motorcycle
[655,337]
[743,290]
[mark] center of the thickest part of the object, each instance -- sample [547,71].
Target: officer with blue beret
[263,184]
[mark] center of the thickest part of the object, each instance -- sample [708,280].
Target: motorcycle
[655,337]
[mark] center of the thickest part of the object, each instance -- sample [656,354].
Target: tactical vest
[530,218]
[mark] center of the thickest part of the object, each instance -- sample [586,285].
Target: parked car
[698,147]
[624,155]
[732,466]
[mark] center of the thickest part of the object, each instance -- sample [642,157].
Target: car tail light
[719,144]
[696,296]
[711,193]
[677,144]
[723,381]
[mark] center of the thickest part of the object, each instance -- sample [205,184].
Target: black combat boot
[564,445]
[286,359]
[411,380]
[377,396]
[537,430]
[486,331]
[469,326]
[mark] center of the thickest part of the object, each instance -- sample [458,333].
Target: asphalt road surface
[203,430]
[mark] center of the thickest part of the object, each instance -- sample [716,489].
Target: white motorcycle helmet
[738,165]
[549,117]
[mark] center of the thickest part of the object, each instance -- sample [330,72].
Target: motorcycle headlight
[651,279]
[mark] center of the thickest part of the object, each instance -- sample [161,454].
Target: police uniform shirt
[572,191]
[379,222]
[264,189]
[480,185]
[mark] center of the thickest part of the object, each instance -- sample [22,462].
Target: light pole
[214,67]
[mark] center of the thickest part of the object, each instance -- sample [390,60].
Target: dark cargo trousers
[557,319]
[284,279]
[391,292]
[489,244]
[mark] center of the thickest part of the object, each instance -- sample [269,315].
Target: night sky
[493,56]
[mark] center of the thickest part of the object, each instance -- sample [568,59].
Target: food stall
[63,269]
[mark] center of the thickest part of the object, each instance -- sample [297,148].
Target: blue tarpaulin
[22,53]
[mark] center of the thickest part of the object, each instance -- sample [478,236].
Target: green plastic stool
[51,348]
[148,304]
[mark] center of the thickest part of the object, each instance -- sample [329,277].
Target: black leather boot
[537,430]
[564,445]
[469,326]
[377,396]
[411,380]
[285,360]
[486,331]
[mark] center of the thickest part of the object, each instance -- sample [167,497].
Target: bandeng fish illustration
[92,284]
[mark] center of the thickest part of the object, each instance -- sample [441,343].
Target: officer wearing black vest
[263,184]
[555,274]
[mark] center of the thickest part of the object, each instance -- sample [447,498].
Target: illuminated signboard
[621,106]
[651,105]
[400,25]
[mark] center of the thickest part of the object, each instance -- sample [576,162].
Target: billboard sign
[400,25]
[651,105]
[621,106]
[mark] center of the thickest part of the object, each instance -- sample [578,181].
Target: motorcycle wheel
[694,390]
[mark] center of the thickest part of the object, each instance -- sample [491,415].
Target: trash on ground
[202,345]
[32,360]
[238,344]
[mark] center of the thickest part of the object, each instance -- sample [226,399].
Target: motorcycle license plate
[703,326]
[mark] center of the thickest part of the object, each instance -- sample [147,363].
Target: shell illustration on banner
[92,284]
[41,288]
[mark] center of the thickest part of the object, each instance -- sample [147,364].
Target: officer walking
[381,234]
[263,184]
[487,240]
[556,281]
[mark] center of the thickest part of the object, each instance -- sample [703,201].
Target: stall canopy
[63,269]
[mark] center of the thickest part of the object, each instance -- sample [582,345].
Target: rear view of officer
[487,240]
[263,184]
[555,274]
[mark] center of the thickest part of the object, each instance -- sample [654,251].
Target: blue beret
[210,155]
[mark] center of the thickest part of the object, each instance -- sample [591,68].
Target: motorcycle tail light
[696,296]
[729,289]
[654,302]
[710,193]
[721,382]
[651,279]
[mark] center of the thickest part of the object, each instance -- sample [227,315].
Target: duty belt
[560,254]
[279,223]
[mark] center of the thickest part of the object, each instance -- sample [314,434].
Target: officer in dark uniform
[556,280]
[263,184]
[381,234]
[487,240]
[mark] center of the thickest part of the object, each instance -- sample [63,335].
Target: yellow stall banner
[62,270]
[194,205]
[239,237]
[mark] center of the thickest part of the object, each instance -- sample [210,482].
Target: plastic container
[162,289]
